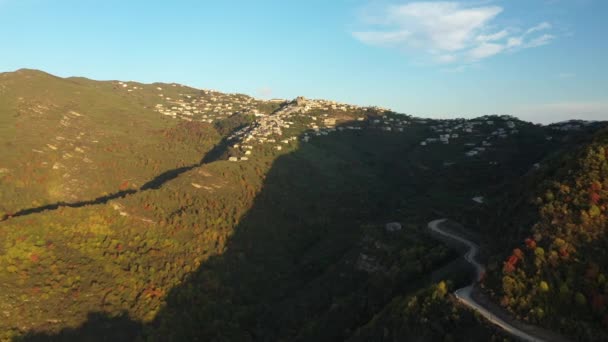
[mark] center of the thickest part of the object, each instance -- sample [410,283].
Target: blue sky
[542,60]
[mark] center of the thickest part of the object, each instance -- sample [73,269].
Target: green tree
[580,299]
[594,211]
[441,290]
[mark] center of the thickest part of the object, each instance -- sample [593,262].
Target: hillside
[133,210]
[72,140]
[555,274]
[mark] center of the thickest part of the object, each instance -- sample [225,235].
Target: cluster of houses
[446,131]
[324,124]
[271,128]
[207,107]
[127,87]
[309,118]
[267,129]
[571,125]
[303,105]
[322,117]
[203,105]
[210,106]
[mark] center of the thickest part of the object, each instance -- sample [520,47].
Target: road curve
[464,294]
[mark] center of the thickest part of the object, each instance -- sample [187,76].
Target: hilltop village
[304,119]
[208,107]
[272,127]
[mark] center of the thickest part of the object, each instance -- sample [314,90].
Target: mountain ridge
[37,72]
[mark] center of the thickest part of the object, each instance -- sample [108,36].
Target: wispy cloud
[485,50]
[540,41]
[448,32]
[540,27]
[492,37]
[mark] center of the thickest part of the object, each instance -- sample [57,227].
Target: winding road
[464,294]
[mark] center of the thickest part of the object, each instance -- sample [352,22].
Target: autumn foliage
[564,260]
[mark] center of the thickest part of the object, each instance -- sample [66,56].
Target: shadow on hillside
[216,153]
[99,327]
[55,206]
[288,272]
[156,183]
[288,269]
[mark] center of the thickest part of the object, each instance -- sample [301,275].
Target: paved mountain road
[464,294]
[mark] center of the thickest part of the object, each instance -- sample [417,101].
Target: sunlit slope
[69,140]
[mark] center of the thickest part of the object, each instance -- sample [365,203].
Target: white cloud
[445,26]
[442,25]
[540,41]
[447,31]
[514,42]
[540,27]
[492,37]
[485,50]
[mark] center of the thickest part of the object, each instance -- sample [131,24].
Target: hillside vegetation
[162,212]
[555,275]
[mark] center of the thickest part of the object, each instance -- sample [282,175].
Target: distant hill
[157,210]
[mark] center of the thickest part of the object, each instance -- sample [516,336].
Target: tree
[595,198]
[441,290]
[540,313]
[539,252]
[518,253]
[594,211]
[564,292]
[580,299]
[598,303]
